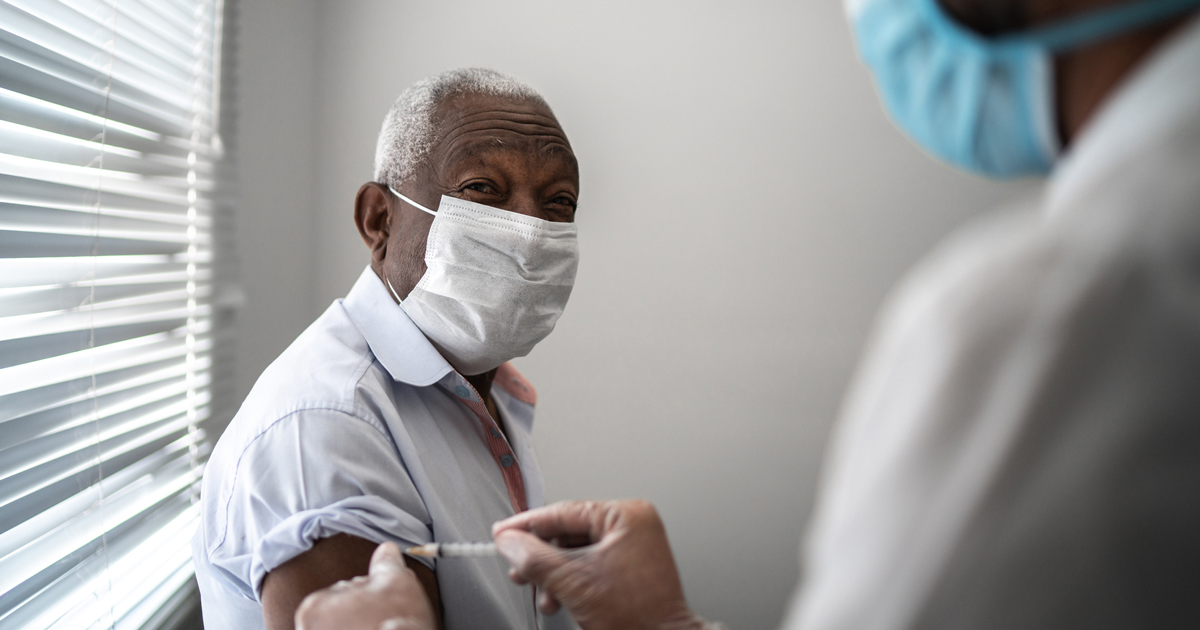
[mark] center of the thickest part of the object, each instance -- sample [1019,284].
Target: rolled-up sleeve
[312,474]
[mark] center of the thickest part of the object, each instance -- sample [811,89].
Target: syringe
[453,550]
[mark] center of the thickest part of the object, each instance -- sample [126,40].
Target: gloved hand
[389,598]
[625,576]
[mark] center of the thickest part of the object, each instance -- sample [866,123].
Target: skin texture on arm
[330,560]
[389,598]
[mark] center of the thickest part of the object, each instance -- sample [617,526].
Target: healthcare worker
[1021,445]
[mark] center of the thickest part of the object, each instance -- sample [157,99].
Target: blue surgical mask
[985,104]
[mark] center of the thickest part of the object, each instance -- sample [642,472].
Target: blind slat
[14,407]
[37,114]
[41,554]
[30,142]
[113,530]
[67,457]
[161,189]
[52,519]
[26,301]
[118,420]
[115,356]
[60,485]
[50,27]
[39,192]
[108,174]
[64,272]
[52,77]
[171,307]
[57,593]
[19,430]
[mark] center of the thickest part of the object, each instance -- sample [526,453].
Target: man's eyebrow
[563,148]
[459,146]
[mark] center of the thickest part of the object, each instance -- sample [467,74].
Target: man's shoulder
[321,369]
[315,383]
[319,362]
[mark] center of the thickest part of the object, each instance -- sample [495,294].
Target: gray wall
[745,207]
[277,156]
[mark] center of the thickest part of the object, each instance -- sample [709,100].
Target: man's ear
[373,217]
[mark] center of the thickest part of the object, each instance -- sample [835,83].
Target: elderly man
[1020,448]
[395,416]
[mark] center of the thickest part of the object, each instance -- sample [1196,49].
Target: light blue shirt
[360,427]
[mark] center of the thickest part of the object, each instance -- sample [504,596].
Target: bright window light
[108,165]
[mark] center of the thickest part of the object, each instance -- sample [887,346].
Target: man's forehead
[475,124]
[483,114]
[469,102]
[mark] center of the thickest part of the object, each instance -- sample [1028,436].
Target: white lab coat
[1021,446]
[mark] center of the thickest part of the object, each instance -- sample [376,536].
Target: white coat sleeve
[1018,448]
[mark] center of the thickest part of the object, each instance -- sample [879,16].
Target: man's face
[495,151]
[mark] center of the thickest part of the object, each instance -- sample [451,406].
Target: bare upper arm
[338,557]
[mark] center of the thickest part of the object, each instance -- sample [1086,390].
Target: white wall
[745,206]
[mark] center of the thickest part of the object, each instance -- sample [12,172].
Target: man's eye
[480,187]
[565,201]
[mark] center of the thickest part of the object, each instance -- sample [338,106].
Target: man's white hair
[408,129]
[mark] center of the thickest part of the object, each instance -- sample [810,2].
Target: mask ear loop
[393,290]
[418,207]
[411,202]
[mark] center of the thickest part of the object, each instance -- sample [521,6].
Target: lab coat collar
[1162,96]
[394,339]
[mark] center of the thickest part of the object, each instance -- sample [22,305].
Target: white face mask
[495,282]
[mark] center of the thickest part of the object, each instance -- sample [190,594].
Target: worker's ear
[373,217]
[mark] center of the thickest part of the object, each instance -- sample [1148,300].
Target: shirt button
[495,433]
[463,392]
[506,460]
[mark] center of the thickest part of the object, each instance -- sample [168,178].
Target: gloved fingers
[532,559]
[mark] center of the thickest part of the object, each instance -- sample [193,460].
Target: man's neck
[483,384]
[1085,78]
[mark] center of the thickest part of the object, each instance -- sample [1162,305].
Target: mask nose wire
[411,202]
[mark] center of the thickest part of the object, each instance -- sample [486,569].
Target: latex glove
[389,598]
[624,578]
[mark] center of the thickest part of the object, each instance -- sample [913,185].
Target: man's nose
[526,204]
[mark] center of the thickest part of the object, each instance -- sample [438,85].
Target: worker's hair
[408,129]
[990,17]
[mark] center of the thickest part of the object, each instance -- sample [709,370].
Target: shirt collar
[1160,96]
[394,339]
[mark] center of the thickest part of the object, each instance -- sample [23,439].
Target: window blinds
[108,152]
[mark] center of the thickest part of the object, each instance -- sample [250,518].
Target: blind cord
[112,53]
